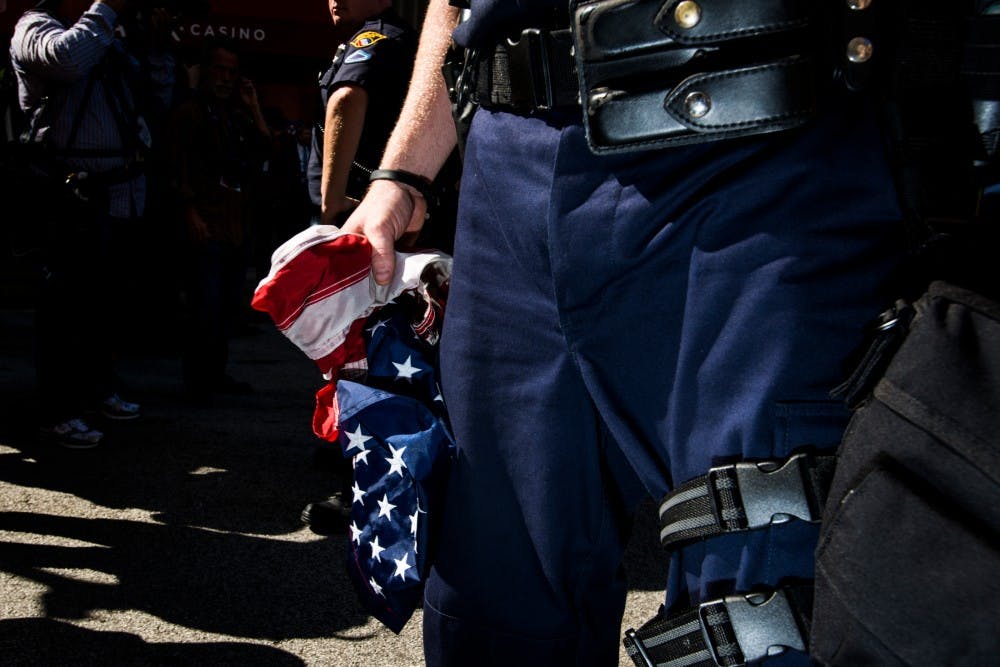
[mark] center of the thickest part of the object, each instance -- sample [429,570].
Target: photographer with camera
[84,94]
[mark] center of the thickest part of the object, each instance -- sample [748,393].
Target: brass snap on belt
[652,73]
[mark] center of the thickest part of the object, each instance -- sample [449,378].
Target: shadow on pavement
[210,500]
[244,464]
[39,641]
[210,537]
[236,585]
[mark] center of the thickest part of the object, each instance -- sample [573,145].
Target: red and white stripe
[320,290]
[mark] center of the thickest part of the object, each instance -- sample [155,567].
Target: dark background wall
[284,45]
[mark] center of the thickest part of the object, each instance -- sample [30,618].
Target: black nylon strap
[745,496]
[673,641]
[893,326]
[726,632]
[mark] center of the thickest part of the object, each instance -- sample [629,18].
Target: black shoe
[327,517]
[113,407]
[72,434]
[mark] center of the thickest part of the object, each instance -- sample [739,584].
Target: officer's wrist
[410,195]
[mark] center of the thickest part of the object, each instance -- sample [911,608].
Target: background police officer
[362,93]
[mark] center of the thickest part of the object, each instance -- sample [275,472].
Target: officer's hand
[389,210]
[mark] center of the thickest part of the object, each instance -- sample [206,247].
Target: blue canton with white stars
[392,428]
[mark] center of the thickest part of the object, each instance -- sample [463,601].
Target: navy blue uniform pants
[618,325]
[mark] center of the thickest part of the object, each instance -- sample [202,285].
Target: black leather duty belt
[534,73]
[655,73]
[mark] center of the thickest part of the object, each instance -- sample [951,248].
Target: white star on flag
[401,567]
[384,506]
[395,461]
[361,456]
[375,587]
[355,534]
[358,494]
[406,370]
[357,439]
[377,549]
[413,522]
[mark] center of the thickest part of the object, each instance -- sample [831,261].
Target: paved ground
[178,541]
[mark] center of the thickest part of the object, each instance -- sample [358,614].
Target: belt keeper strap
[746,496]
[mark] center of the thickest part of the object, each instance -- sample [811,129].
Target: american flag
[319,293]
[389,417]
[400,452]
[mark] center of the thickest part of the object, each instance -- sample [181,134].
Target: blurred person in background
[85,95]
[219,140]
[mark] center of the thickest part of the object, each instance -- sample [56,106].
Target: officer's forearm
[425,133]
[345,119]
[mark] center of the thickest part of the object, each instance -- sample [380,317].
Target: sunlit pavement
[178,539]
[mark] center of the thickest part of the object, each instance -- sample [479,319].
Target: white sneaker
[72,434]
[113,407]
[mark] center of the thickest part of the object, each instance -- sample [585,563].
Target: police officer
[641,292]
[361,93]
